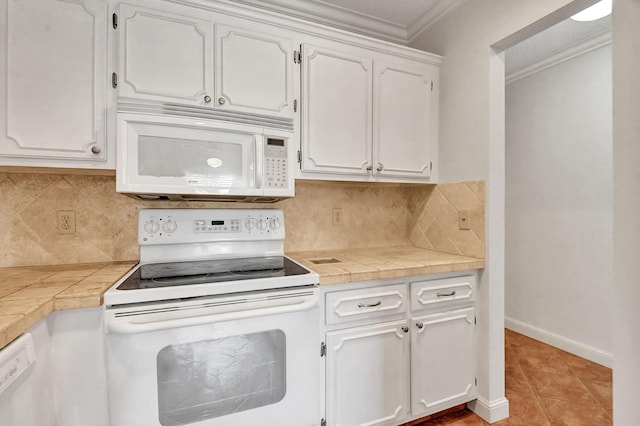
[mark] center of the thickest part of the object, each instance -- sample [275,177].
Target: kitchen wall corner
[433,220]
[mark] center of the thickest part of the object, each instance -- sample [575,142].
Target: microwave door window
[198,162]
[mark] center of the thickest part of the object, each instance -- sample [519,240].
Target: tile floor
[546,387]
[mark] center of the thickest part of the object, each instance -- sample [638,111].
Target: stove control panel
[217,225]
[172,226]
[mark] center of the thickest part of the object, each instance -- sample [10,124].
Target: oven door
[228,361]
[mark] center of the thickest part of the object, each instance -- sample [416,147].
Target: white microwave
[177,158]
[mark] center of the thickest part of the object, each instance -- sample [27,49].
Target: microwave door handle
[135,325]
[259,146]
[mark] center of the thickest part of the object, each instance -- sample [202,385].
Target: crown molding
[336,17]
[350,20]
[440,9]
[587,45]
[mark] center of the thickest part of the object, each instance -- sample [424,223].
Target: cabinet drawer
[437,293]
[365,303]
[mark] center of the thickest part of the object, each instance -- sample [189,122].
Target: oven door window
[213,378]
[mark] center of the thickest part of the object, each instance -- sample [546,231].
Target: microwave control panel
[275,167]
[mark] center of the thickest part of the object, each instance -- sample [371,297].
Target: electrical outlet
[337,216]
[464,220]
[66,222]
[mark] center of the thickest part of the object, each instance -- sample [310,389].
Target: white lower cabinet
[369,369]
[390,360]
[442,360]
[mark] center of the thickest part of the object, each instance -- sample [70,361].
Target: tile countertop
[352,265]
[28,294]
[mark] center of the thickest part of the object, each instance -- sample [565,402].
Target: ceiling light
[597,11]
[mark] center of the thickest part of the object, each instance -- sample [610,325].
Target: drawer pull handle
[452,293]
[369,305]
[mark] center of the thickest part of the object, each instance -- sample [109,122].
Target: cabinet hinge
[299,156]
[114,20]
[114,80]
[297,57]
[432,85]
[323,422]
[475,320]
[295,105]
[476,381]
[430,166]
[323,349]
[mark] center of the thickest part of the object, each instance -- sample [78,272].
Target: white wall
[626,205]
[559,212]
[471,143]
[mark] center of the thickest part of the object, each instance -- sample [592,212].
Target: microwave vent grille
[205,113]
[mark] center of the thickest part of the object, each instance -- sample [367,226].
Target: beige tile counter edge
[28,294]
[369,264]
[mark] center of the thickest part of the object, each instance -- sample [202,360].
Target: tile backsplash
[373,215]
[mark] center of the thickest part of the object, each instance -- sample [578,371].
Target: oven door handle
[132,325]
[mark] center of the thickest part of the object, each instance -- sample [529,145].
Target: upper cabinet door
[405,118]
[53,83]
[336,112]
[254,72]
[165,56]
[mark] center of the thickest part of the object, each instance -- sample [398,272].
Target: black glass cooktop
[156,275]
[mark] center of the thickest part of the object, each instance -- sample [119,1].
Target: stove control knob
[274,223]
[169,226]
[151,226]
[249,224]
[261,224]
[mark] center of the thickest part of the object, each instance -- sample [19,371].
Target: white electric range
[215,326]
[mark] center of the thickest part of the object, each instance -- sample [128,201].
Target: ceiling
[560,42]
[401,21]
[398,21]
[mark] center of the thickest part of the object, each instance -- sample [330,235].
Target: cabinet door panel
[254,72]
[164,56]
[442,360]
[53,88]
[337,94]
[404,120]
[367,375]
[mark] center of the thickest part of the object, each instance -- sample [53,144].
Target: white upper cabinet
[186,57]
[367,116]
[254,72]
[165,56]
[337,96]
[405,125]
[53,92]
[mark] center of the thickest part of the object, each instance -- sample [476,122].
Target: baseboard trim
[579,349]
[490,411]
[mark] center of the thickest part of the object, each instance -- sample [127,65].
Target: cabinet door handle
[207,99]
[369,167]
[95,149]
[221,101]
[451,293]
[419,324]
[369,305]
[405,329]
[380,167]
